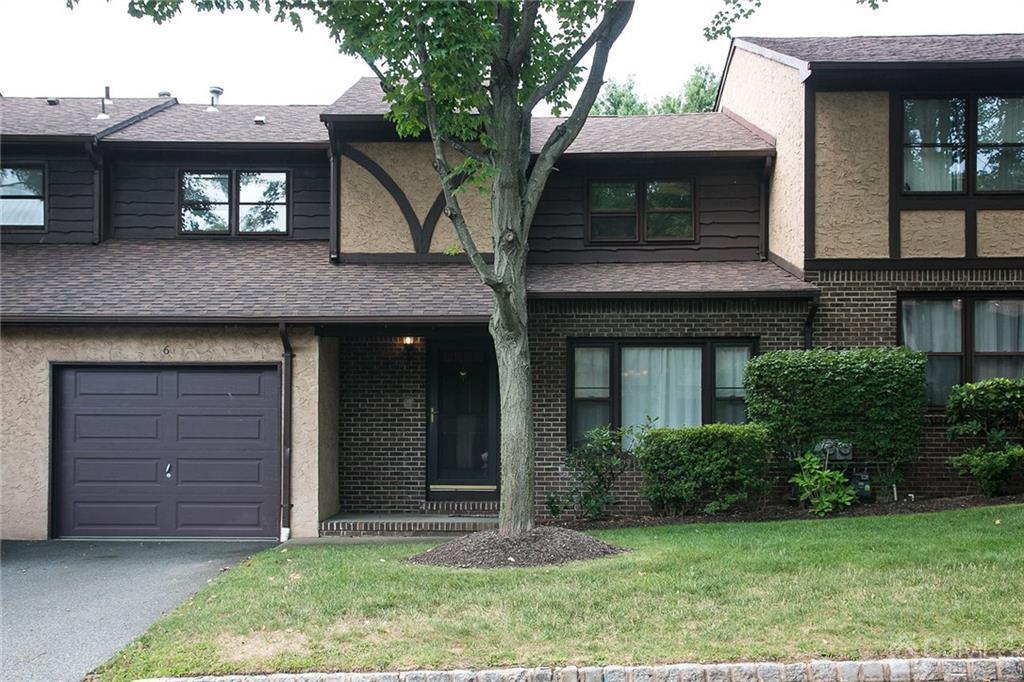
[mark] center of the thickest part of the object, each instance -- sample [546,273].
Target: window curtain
[999,327]
[935,132]
[661,383]
[932,326]
[730,361]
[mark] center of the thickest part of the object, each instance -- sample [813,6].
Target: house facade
[252,321]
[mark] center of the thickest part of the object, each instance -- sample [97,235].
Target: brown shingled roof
[668,134]
[967,49]
[230,124]
[183,280]
[72,116]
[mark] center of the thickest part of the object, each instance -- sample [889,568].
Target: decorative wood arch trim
[430,223]
[420,241]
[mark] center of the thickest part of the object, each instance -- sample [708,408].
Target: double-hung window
[23,196]
[676,383]
[963,145]
[225,202]
[642,212]
[966,337]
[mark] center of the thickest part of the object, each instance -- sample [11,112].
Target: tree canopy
[620,98]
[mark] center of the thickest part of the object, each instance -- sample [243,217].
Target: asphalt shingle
[996,47]
[229,124]
[71,116]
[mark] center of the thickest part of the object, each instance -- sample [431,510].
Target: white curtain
[999,326]
[932,326]
[661,383]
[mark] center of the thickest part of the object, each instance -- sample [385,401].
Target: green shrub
[990,411]
[873,398]
[595,465]
[703,468]
[822,490]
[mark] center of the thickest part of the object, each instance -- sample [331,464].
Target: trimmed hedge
[873,398]
[992,412]
[703,468]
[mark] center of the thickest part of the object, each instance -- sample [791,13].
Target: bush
[873,398]
[595,465]
[991,411]
[703,468]
[821,489]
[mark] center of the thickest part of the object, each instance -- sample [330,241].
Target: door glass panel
[463,417]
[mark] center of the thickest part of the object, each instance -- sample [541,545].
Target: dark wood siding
[144,194]
[728,209]
[69,199]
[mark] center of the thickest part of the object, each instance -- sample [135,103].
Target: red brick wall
[382,458]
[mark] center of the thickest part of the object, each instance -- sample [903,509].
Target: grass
[947,583]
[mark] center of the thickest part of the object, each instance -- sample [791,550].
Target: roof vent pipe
[106,95]
[103,115]
[215,92]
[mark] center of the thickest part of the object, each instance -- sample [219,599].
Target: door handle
[433,415]
[167,471]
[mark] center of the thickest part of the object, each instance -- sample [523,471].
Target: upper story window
[23,196]
[677,383]
[966,338]
[224,202]
[646,211]
[963,145]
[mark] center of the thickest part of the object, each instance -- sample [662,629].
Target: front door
[462,422]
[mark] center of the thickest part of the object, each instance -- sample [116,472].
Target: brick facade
[858,308]
[383,384]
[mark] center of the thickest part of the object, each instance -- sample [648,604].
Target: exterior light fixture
[408,341]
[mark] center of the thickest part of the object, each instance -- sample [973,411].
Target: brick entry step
[405,525]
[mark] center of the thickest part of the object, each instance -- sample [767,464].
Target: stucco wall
[371,221]
[851,175]
[771,96]
[25,357]
[1001,233]
[931,234]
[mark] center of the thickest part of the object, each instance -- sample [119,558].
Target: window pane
[1000,120]
[205,188]
[612,227]
[730,361]
[935,121]
[669,195]
[211,219]
[22,212]
[590,414]
[991,368]
[612,196]
[268,188]
[730,410]
[670,226]
[1000,169]
[661,383]
[999,326]
[932,325]
[943,373]
[21,182]
[591,372]
[262,218]
[933,169]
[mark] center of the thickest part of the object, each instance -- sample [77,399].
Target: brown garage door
[166,451]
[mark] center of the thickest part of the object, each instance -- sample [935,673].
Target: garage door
[166,451]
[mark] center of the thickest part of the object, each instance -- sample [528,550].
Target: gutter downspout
[335,195]
[809,325]
[288,356]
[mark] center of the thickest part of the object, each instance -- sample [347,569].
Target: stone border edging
[1004,669]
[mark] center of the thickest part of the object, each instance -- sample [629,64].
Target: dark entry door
[166,451]
[462,435]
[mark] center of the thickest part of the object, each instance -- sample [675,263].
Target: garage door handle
[167,471]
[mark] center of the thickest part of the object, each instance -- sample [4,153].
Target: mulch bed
[544,545]
[784,513]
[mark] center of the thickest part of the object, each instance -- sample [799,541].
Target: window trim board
[234,202]
[33,229]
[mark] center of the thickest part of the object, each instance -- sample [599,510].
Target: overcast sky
[46,49]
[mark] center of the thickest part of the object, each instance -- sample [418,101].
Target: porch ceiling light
[408,341]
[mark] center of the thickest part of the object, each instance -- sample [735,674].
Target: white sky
[46,49]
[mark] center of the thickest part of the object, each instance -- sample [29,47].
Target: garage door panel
[199,458]
[116,470]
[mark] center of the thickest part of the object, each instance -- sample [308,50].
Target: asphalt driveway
[67,606]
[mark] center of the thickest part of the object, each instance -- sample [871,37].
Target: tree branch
[604,36]
[520,46]
[464,149]
[452,210]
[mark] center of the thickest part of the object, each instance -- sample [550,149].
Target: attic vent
[259,120]
[52,101]
[164,93]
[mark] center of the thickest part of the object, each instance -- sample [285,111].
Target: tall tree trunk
[515,380]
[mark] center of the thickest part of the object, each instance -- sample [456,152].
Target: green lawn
[947,583]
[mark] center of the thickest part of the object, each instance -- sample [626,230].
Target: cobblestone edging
[890,670]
